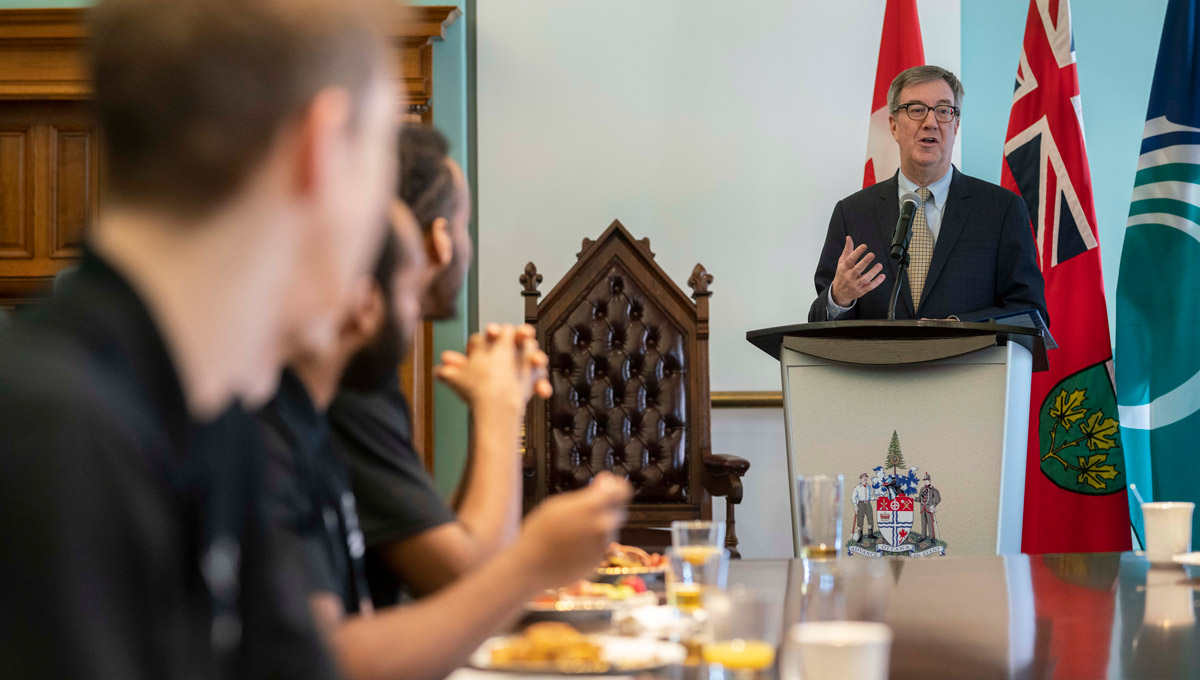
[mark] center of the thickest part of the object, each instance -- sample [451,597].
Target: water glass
[819,499]
[837,649]
[686,534]
[694,572]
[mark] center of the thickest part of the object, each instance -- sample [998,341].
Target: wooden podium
[897,400]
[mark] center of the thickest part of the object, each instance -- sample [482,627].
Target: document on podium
[1026,318]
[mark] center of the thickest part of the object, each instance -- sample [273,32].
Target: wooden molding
[43,55]
[426,22]
[67,24]
[42,26]
[747,399]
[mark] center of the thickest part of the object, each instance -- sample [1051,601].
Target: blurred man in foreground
[413,537]
[312,502]
[248,169]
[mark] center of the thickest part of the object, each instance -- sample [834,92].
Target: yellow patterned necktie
[920,250]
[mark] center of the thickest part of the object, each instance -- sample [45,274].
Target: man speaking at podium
[972,254]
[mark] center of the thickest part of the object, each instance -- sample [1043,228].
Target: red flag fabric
[900,47]
[1075,475]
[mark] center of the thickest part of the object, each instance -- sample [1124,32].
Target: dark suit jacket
[984,263]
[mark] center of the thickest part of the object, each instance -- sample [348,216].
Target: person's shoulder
[377,419]
[871,195]
[981,188]
[69,428]
[47,374]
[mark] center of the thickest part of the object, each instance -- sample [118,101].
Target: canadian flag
[899,48]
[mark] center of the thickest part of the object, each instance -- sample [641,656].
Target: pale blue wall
[450,115]
[1116,43]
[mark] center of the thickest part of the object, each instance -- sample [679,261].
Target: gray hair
[923,74]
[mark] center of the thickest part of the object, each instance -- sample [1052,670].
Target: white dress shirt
[934,208]
[861,494]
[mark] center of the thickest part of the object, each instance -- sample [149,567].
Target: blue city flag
[1158,290]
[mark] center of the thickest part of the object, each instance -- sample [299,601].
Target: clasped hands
[501,365]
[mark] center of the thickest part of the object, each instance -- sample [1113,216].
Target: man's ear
[892,126]
[366,312]
[441,247]
[324,121]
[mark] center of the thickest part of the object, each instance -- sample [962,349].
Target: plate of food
[588,603]
[624,560]
[557,648]
[629,591]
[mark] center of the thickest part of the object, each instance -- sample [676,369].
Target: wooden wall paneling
[16,197]
[416,381]
[414,63]
[49,192]
[74,187]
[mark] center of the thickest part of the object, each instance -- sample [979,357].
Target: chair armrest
[724,464]
[723,475]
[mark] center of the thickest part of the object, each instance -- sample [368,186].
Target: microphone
[908,210]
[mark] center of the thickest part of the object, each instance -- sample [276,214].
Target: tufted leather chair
[629,365]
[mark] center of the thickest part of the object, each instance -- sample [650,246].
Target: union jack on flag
[1044,151]
[1074,496]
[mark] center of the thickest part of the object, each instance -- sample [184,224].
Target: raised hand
[565,537]
[853,279]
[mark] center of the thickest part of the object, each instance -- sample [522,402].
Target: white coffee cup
[1168,529]
[822,650]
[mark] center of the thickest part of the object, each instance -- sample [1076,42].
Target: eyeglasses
[917,111]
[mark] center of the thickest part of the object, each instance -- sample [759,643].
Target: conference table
[1085,616]
[1099,615]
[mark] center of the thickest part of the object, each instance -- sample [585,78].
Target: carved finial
[646,244]
[530,280]
[699,281]
[587,243]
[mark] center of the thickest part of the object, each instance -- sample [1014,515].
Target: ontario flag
[1075,476]
[900,48]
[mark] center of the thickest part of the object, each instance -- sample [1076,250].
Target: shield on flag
[894,518]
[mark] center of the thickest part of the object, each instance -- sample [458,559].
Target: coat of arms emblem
[894,517]
[886,507]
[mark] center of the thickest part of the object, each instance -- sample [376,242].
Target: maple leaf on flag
[1092,472]
[1068,408]
[1099,432]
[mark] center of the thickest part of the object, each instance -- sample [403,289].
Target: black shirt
[397,500]
[133,543]
[309,494]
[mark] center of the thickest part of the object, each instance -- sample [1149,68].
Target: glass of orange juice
[744,628]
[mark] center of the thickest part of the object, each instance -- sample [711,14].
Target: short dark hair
[190,94]
[425,183]
[379,358]
[923,74]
